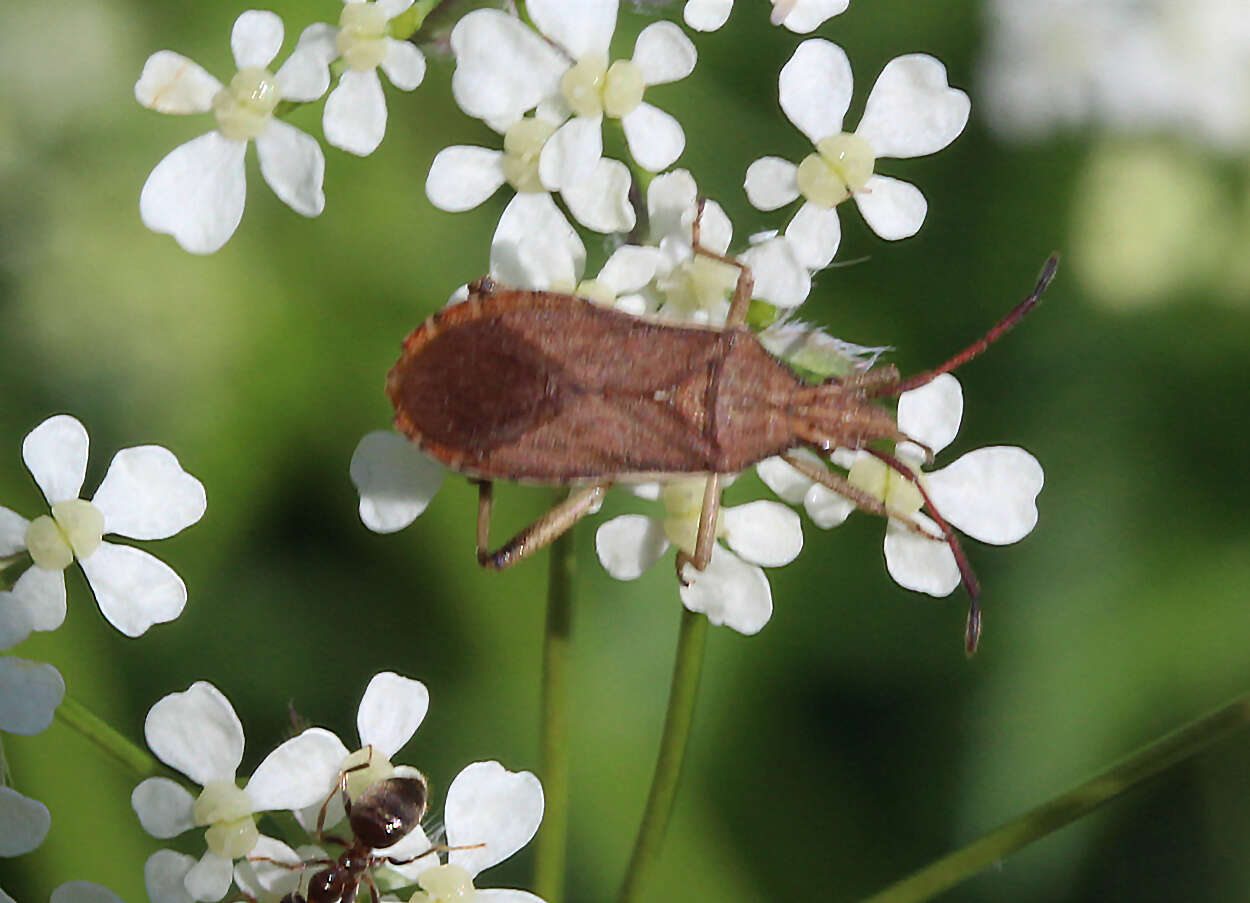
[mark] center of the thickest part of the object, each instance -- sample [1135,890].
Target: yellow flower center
[245,105]
[361,40]
[379,768]
[591,87]
[522,144]
[900,495]
[683,503]
[698,285]
[841,166]
[75,528]
[596,291]
[445,884]
[227,811]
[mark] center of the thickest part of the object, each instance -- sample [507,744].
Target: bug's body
[550,388]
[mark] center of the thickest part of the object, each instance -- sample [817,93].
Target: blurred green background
[849,742]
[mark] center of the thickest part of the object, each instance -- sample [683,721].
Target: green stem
[1147,762]
[552,846]
[75,715]
[691,641]
[405,25]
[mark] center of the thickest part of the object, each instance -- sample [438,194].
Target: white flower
[911,111]
[196,193]
[29,694]
[198,733]
[800,16]
[990,493]
[732,590]
[24,822]
[504,69]
[390,712]
[489,814]
[695,287]
[83,892]
[145,495]
[355,112]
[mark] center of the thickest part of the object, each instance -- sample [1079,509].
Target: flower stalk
[1152,759]
[687,669]
[78,717]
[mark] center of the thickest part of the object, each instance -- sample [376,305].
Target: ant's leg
[972,629]
[709,516]
[581,501]
[746,282]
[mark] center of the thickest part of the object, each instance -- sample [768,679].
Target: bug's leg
[709,516]
[485,502]
[972,630]
[746,282]
[581,501]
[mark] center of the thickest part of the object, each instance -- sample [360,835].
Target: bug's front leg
[709,517]
[581,501]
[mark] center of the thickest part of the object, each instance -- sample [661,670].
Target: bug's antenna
[972,628]
[997,332]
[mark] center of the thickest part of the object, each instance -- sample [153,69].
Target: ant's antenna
[1002,327]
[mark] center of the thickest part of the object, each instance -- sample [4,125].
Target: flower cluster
[489,812]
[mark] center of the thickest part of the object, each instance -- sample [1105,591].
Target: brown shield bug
[548,388]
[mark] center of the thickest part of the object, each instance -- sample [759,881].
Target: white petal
[815,233]
[601,200]
[355,113]
[15,623]
[210,878]
[487,804]
[133,589]
[715,229]
[41,594]
[729,592]
[196,193]
[305,75]
[815,88]
[784,480]
[461,177]
[29,694]
[261,872]
[12,532]
[395,479]
[990,493]
[629,268]
[670,200]
[825,507]
[503,895]
[771,183]
[390,712]
[534,247]
[780,277]
[171,83]
[707,15]
[912,110]
[256,38]
[83,892]
[629,544]
[393,8]
[502,67]
[320,40]
[293,165]
[55,453]
[164,876]
[197,732]
[894,209]
[765,533]
[808,15]
[655,138]
[917,563]
[24,822]
[570,154]
[664,53]
[147,495]
[581,28]
[164,807]
[931,413]
[416,846]
[404,64]
[297,773]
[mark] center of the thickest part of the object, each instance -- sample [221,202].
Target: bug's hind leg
[746,282]
[709,517]
[581,501]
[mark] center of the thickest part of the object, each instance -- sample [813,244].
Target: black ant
[383,815]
